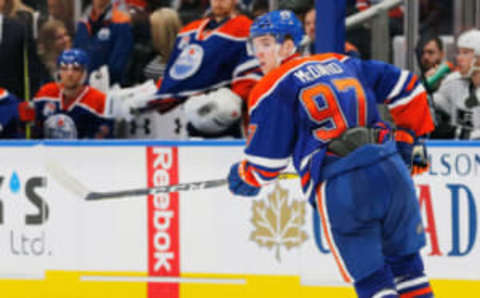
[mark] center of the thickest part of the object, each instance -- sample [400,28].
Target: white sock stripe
[384,292]
[412,283]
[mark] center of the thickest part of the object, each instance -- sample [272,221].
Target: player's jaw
[222,8]
[72,78]
[464,58]
[266,50]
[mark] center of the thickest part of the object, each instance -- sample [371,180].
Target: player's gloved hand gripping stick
[412,150]
[239,186]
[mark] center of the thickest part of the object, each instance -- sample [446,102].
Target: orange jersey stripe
[264,173]
[246,174]
[412,82]
[305,179]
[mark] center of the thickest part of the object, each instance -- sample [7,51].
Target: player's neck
[99,10]
[293,56]
[476,79]
[221,18]
[70,94]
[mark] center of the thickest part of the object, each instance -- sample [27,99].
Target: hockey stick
[76,187]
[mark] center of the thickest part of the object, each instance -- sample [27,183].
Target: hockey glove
[238,186]
[419,159]
[412,151]
[26,111]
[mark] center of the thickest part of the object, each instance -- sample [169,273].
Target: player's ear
[288,48]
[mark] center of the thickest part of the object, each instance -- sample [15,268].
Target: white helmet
[470,40]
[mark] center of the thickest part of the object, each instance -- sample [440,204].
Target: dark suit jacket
[12,75]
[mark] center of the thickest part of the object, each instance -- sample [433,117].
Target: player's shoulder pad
[3,93]
[49,90]
[95,100]
[192,26]
[270,81]
[238,27]
[120,17]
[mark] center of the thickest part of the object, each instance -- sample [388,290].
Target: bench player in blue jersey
[9,115]
[320,111]
[70,109]
[210,70]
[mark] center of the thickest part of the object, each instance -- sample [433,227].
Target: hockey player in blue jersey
[9,115]
[70,109]
[320,111]
[210,69]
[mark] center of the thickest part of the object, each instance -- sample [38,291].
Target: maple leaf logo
[277,222]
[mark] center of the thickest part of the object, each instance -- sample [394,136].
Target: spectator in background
[140,4]
[436,17]
[24,14]
[259,7]
[210,69]
[39,5]
[308,45]
[309,27]
[9,116]
[70,109]
[190,10]
[18,54]
[144,33]
[142,48]
[153,5]
[61,10]
[299,7]
[164,27]
[432,62]
[434,69]
[458,95]
[395,14]
[52,41]
[105,33]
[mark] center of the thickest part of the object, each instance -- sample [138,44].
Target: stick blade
[63,178]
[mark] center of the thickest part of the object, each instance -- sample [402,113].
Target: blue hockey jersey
[9,117]
[107,39]
[89,111]
[203,60]
[299,107]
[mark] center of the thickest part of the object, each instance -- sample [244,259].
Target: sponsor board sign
[46,226]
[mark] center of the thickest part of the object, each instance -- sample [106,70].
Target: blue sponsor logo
[14,183]
[458,164]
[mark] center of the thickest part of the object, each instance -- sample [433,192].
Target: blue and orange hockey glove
[412,150]
[420,162]
[237,185]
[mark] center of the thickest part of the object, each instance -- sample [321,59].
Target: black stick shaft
[95,196]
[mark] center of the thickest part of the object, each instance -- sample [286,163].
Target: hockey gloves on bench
[237,185]
[412,150]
